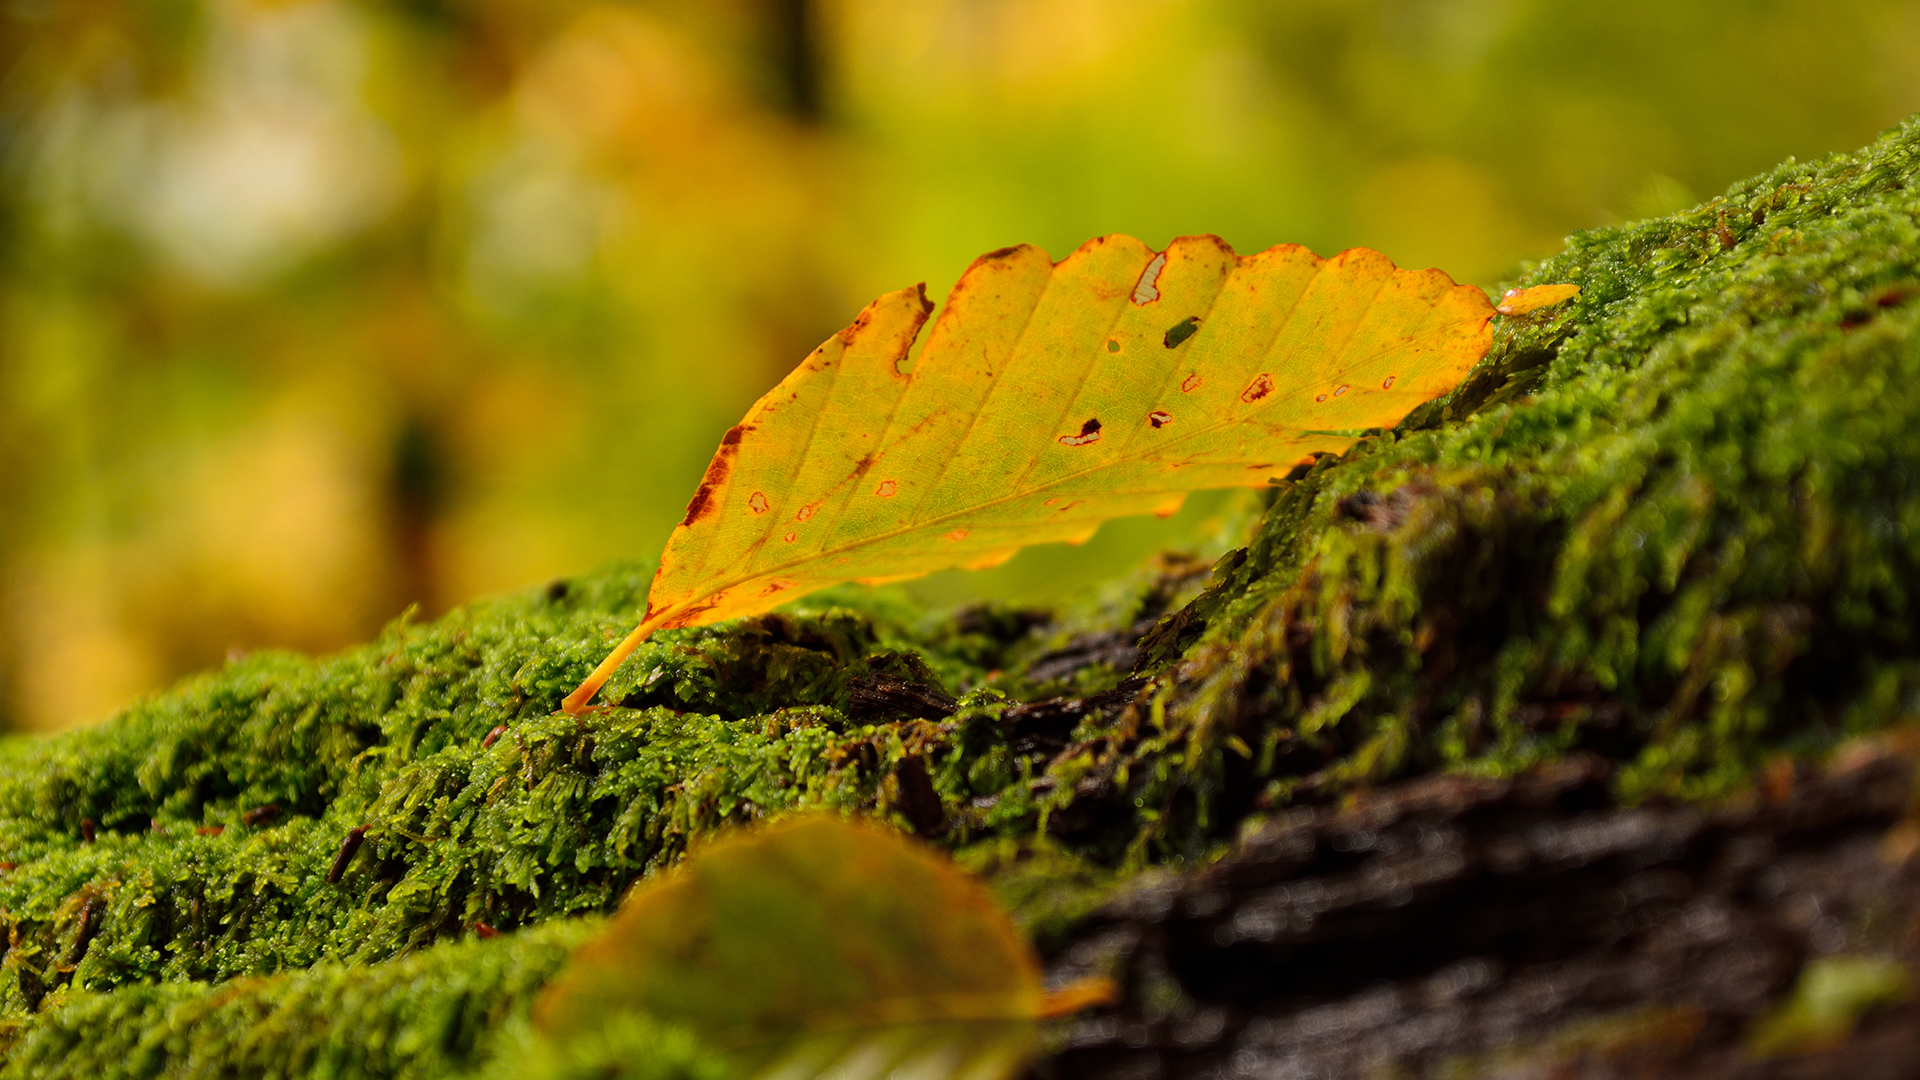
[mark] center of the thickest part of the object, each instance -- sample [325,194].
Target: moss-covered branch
[1675,523]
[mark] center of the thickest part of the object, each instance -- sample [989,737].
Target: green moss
[1832,994]
[1677,521]
[1673,522]
[452,1007]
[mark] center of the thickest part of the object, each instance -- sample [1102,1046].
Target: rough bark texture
[1562,731]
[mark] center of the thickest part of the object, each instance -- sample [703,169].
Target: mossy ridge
[1693,542]
[445,1009]
[218,812]
[1605,561]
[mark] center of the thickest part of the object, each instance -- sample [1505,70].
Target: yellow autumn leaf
[811,946]
[1047,399]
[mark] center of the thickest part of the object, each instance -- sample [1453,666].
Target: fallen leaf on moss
[818,945]
[1046,400]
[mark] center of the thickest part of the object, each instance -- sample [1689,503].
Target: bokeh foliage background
[313,310]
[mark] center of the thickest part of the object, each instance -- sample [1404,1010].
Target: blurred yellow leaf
[812,945]
[1047,399]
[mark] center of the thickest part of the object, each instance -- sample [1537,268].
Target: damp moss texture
[1675,521]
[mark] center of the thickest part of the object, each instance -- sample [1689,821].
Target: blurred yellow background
[312,310]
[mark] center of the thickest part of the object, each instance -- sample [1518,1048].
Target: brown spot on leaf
[772,587]
[1089,433]
[887,489]
[1321,397]
[717,471]
[790,537]
[806,512]
[1388,385]
[757,502]
[957,534]
[1191,383]
[1112,345]
[1340,391]
[1260,387]
[998,253]
[1159,418]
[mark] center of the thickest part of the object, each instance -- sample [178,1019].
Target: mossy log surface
[1562,728]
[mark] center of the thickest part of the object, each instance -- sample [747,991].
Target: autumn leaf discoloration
[993,439]
[717,472]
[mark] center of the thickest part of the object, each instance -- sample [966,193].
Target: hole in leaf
[1145,292]
[1089,433]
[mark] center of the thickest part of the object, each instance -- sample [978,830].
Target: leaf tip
[1521,301]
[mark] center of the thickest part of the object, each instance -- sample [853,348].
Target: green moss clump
[420,1016]
[1673,522]
[1676,521]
